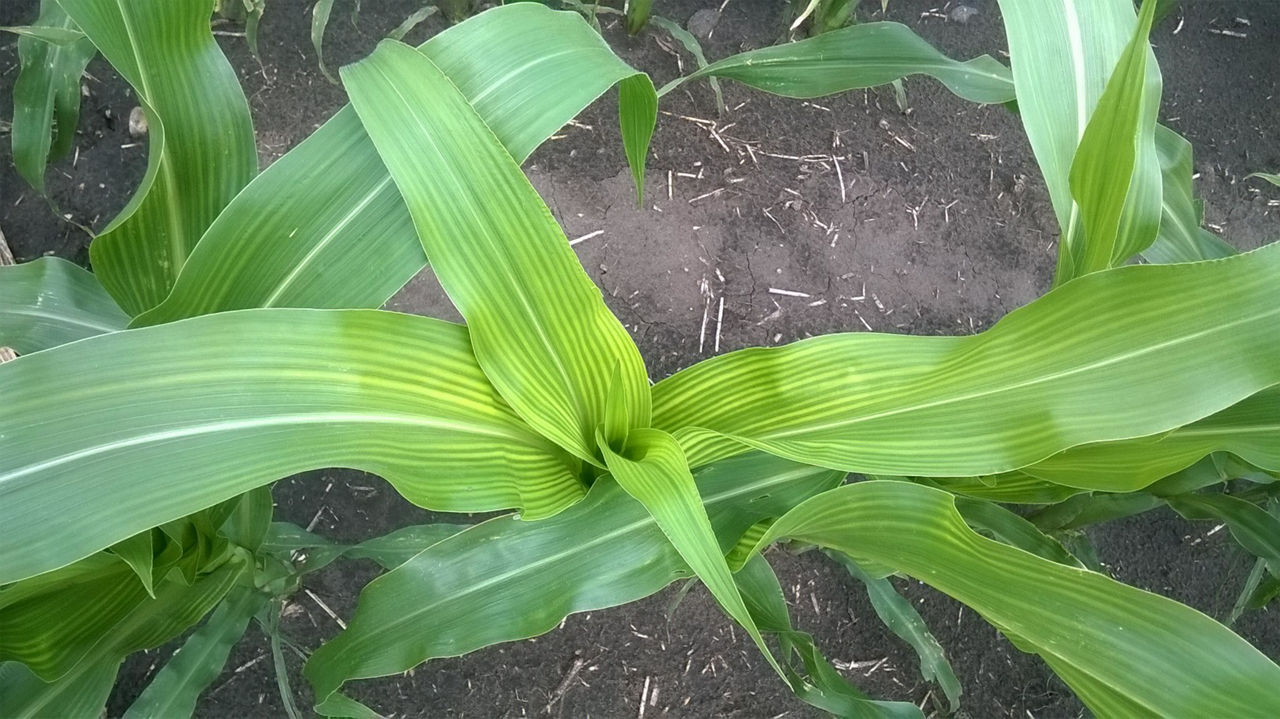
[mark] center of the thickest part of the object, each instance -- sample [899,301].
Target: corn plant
[229,337]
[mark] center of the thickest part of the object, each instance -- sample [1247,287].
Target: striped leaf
[279,242]
[538,325]
[239,399]
[1115,174]
[46,94]
[201,139]
[1006,398]
[81,690]
[1071,617]
[604,551]
[855,57]
[49,302]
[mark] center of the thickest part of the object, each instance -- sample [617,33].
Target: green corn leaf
[138,552]
[51,34]
[201,139]
[604,551]
[654,471]
[1005,526]
[906,623]
[1005,398]
[637,116]
[637,14]
[389,551]
[413,20]
[82,695]
[290,390]
[250,520]
[1012,487]
[81,689]
[1115,173]
[1249,429]
[1120,648]
[46,94]
[320,13]
[539,327]
[855,57]
[823,686]
[690,43]
[49,302]
[1269,177]
[178,685]
[1083,510]
[277,243]
[1251,526]
[51,623]
[1181,238]
[1062,53]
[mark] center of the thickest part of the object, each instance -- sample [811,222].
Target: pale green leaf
[1115,173]
[1249,429]
[604,551]
[201,146]
[1119,647]
[52,34]
[1269,177]
[49,302]
[46,93]
[320,13]
[1181,238]
[1062,53]
[239,399]
[1005,398]
[278,242]
[855,57]
[538,325]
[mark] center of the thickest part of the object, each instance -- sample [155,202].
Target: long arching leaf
[855,57]
[201,139]
[604,551]
[49,302]
[278,242]
[1123,650]
[1006,398]
[539,327]
[238,399]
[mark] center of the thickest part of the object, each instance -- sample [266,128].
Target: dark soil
[944,226]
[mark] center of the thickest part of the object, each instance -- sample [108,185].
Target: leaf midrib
[264,422]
